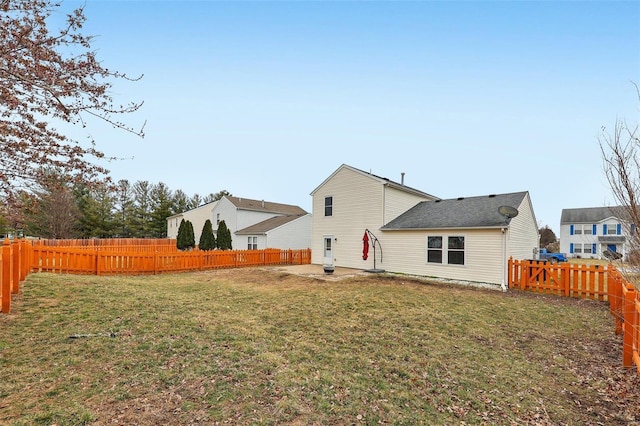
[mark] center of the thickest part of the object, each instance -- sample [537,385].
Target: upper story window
[218,219]
[579,229]
[328,206]
[611,229]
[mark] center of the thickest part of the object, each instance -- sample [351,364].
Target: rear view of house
[467,238]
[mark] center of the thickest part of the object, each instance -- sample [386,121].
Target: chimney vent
[402,178]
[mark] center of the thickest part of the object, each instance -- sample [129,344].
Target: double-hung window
[328,206]
[456,250]
[434,249]
[252,243]
[449,250]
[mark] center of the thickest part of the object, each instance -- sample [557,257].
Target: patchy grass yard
[256,346]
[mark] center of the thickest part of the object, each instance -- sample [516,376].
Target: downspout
[504,260]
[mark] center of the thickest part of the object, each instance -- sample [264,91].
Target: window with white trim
[577,248]
[252,243]
[455,254]
[449,250]
[434,249]
[612,229]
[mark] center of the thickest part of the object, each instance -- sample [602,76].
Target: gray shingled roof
[265,206]
[464,212]
[591,214]
[269,224]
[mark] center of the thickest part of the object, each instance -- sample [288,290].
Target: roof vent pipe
[402,178]
[263,204]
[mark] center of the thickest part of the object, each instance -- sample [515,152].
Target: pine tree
[180,238]
[207,239]
[224,236]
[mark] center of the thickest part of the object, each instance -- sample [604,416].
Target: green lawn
[256,346]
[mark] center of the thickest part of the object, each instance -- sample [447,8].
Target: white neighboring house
[465,239]
[588,232]
[257,224]
[197,216]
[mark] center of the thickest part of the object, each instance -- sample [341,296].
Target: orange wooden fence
[128,245]
[14,267]
[104,262]
[114,257]
[595,282]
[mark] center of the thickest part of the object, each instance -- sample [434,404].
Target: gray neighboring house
[588,232]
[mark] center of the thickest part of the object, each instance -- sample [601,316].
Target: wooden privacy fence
[19,258]
[595,282]
[15,265]
[103,262]
[128,245]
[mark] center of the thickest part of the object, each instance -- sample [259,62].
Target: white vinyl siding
[357,199]
[197,217]
[522,236]
[405,252]
[294,235]
[398,202]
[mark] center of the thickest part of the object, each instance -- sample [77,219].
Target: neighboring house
[289,231]
[588,232]
[462,239]
[197,217]
[255,224]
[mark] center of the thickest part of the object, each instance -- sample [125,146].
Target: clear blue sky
[266,99]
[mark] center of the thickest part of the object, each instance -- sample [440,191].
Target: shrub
[224,236]
[207,239]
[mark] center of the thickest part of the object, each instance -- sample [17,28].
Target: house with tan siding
[413,232]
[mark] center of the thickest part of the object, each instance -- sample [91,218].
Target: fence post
[7,276]
[17,258]
[628,328]
[565,281]
[155,262]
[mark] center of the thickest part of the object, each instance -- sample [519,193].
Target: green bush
[207,239]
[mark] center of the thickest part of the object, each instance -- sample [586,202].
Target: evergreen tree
[207,239]
[224,236]
[142,209]
[190,237]
[97,207]
[161,207]
[180,201]
[124,214]
[180,243]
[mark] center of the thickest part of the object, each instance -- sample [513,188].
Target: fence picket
[589,282]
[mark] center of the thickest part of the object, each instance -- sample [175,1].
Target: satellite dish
[508,211]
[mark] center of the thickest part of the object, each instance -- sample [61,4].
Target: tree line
[60,208]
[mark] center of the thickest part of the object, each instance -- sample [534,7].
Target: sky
[265,99]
